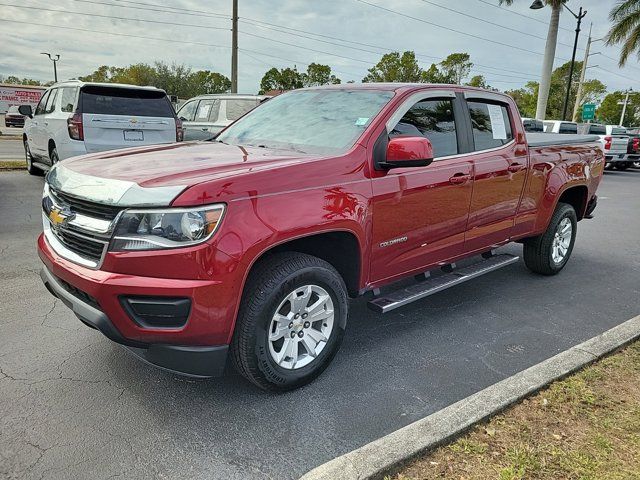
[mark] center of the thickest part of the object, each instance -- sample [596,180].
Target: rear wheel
[29,159]
[291,321]
[550,252]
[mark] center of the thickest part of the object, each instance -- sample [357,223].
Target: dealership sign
[18,95]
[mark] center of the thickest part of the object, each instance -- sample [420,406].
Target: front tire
[291,321]
[548,253]
[53,155]
[31,169]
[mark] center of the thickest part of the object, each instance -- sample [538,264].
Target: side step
[403,296]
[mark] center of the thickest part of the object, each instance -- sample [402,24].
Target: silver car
[204,116]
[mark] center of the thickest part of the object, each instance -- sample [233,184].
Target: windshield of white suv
[309,121]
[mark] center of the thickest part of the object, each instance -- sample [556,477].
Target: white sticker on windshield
[362,121]
[497,122]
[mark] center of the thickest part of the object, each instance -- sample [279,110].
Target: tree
[318,74]
[549,55]
[625,16]
[394,67]
[610,110]
[283,79]
[525,98]
[479,81]
[456,67]
[14,80]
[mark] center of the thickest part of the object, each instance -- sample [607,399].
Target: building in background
[19,95]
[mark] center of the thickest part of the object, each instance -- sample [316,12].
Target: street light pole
[234,48]
[579,17]
[54,59]
[624,106]
[587,54]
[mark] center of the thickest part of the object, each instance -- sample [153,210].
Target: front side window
[237,108]
[490,123]
[51,101]
[432,119]
[68,99]
[207,110]
[309,121]
[42,103]
[188,110]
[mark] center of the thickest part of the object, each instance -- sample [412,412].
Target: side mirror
[408,152]
[26,110]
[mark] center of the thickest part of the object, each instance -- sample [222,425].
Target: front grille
[83,246]
[85,207]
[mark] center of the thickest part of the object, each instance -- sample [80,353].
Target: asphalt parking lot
[75,405]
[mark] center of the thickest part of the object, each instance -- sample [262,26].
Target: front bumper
[195,361]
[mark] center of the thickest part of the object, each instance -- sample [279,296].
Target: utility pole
[234,48]
[576,107]
[624,107]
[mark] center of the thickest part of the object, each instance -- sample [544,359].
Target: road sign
[588,111]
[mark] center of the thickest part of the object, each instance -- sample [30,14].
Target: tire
[53,155]
[622,166]
[541,253]
[254,348]
[31,169]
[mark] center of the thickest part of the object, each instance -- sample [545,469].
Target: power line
[395,12]
[521,14]
[113,17]
[211,15]
[174,8]
[115,33]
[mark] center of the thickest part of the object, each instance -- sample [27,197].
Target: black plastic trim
[157,312]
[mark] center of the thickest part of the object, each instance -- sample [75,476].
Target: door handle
[515,167]
[459,179]
[204,129]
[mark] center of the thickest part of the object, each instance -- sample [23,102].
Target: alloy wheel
[561,241]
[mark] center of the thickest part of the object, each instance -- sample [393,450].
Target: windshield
[309,121]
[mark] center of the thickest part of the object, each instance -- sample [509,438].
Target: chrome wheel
[301,327]
[27,154]
[561,241]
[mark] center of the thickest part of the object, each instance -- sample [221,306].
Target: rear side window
[68,99]
[188,110]
[597,130]
[533,126]
[490,123]
[51,101]
[568,128]
[434,120]
[125,101]
[237,108]
[618,131]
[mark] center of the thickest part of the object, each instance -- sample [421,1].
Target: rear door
[117,117]
[500,169]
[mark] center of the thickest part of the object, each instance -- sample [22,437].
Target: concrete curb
[387,454]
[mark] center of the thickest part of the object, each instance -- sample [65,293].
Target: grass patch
[586,427]
[13,165]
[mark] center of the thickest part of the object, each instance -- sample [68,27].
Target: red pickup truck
[250,245]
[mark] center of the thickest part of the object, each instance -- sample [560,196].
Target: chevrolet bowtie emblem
[134,120]
[60,217]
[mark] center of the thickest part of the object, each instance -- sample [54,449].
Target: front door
[420,214]
[500,168]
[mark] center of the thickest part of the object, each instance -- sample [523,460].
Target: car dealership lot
[73,404]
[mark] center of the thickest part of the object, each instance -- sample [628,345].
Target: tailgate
[125,116]
[108,132]
[618,144]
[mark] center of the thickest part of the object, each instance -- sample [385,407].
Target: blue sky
[351,36]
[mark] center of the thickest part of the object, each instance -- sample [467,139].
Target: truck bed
[550,139]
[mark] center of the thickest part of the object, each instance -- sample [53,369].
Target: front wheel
[291,321]
[31,169]
[550,252]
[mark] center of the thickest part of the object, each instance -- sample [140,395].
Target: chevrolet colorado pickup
[249,246]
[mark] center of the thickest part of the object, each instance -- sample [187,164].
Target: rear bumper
[195,361]
[618,157]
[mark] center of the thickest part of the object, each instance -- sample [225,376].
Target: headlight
[167,228]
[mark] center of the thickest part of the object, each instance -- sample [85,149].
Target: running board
[403,296]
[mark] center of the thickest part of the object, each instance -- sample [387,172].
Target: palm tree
[549,55]
[625,16]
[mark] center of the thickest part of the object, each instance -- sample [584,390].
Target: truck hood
[155,175]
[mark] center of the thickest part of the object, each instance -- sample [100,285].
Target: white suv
[75,118]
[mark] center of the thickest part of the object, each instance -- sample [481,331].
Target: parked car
[633,149]
[560,126]
[612,142]
[74,118]
[533,125]
[249,246]
[205,116]
[13,118]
